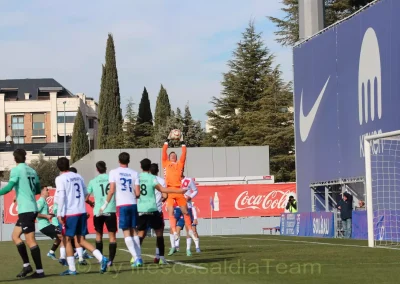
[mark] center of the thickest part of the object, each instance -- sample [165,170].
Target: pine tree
[144,126]
[80,143]
[272,125]
[243,85]
[110,115]
[163,109]
[288,26]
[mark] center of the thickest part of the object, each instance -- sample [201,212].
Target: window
[69,116]
[38,140]
[43,96]
[91,123]
[17,129]
[38,124]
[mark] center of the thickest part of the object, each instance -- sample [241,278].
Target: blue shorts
[75,225]
[180,221]
[128,216]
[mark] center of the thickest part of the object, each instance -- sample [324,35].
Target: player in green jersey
[99,187]
[45,227]
[25,182]
[149,216]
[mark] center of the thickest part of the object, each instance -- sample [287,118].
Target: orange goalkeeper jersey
[173,170]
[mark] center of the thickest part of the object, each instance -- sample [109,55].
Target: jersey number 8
[143,189]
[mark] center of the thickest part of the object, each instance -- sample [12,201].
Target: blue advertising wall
[346,85]
[315,224]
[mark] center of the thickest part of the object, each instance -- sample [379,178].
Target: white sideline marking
[293,241]
[176,262]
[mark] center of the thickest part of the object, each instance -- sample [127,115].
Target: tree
[102,113]
[144,113]
[129,137]
[80,143]
[254,108]
[272,125]
[144,125]
[47,170]
[288,26]
[243,85]
[193,133]
[110,115]
[162,132]
[163,109]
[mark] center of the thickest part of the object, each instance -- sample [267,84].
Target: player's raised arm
[168,190]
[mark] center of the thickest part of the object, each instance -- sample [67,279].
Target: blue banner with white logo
[315,224]
[345,87]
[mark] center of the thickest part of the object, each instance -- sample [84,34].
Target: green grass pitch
[231,259]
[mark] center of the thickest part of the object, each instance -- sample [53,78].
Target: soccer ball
[175,134]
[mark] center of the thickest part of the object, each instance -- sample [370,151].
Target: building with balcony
[33,111]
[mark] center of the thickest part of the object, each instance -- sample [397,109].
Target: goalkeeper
[173,175]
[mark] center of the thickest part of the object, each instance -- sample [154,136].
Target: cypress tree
[144,113]
[144,126]
[80,143]
[187,120]
[163,109]
[102,115]
[110,124]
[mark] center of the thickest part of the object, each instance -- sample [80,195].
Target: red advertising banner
[11,209]
[244,200]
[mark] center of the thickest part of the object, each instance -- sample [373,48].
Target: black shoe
[36,275]
[25,271]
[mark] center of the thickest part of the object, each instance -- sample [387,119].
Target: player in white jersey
[123,181]
[160,198]
[189,195]
[71,192]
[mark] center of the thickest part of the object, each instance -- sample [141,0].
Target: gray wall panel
[232,161]
[219,161]
[200,163]
[254,159]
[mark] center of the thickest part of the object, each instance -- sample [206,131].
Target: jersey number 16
[107,189]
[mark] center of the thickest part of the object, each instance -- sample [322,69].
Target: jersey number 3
[77,188]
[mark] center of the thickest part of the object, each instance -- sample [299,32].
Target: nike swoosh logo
[306,121]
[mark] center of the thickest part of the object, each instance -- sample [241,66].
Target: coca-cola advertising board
[242,200]
[11,209]
[227,200]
